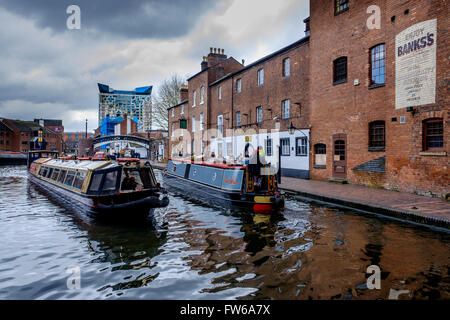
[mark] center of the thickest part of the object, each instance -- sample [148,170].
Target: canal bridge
[101,141]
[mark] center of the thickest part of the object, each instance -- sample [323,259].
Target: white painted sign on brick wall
[415,65]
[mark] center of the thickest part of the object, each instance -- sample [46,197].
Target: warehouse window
[238,119]
[260,77]
[202,95]
[286,106]
[259,114]
[220,92]
[340,70]
[285,146]
[286,67]
[269,151]
[239,85]
[220,125]
[301,146]
[377,136]
[377,65]
[341,6]
[320,151]
[433,134]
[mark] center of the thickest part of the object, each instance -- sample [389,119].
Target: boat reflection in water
[193,251]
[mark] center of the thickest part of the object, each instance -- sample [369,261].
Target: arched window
[340,70]
[340,6]
[433,134]
[378,65]
[286,67]
[377,136]
[202,95]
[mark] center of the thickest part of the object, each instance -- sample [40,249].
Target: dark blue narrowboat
[251,187]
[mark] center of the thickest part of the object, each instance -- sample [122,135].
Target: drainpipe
[279,164]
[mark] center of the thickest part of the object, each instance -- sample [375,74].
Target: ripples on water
[190,251]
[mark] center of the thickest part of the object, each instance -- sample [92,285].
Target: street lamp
[291,129]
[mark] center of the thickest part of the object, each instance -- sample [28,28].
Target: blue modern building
[137,104]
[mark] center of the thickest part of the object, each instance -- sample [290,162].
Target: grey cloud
[132,18]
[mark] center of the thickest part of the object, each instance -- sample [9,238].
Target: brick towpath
[401,205]
[406,206]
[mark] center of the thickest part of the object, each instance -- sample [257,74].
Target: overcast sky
[49,71]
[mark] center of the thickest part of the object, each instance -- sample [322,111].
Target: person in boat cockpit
[128,183]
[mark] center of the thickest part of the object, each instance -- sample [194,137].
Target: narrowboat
[252,187]
[12,158]
[108,189]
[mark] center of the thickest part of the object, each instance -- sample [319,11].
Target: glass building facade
[136,104]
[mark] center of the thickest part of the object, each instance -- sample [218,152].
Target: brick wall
[348,109]
[269,96]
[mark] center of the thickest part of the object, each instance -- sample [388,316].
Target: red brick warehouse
[366,90]
[379,109]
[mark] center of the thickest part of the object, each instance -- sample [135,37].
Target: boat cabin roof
[77,164]
[217,165]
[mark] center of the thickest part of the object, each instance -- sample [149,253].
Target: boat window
[55,174]
[146,178]
[62,176]
[79,180]
[69,179]
[49,173]
[43,171]
[131,180]
[110,181]
[95,182]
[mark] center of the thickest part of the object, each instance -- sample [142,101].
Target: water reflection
[190,251]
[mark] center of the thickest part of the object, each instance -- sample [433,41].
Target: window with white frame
[239,85]
[220,92]
[173,112]
[229,149]
[238,119]
[220,125]
[193,124]
[286,67]
[201,121]
[194,103]
[202,95]
[182,109]
[286,105]
[260,77]
[301,146]
[259,114]
[269,147]
[285,146]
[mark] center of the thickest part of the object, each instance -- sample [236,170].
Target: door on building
[340,156]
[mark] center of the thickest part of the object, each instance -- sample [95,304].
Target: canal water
[191,251]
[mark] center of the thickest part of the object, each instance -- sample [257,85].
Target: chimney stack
[204,63]
[184,93]
[307,31]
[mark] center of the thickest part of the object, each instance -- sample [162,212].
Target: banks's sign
[415,65]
